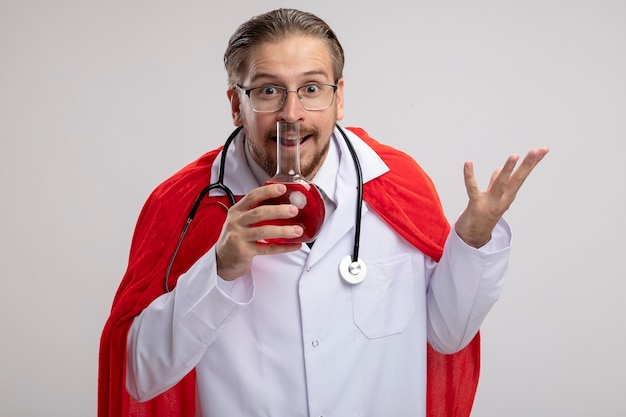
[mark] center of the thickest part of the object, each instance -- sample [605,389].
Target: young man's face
[291,63]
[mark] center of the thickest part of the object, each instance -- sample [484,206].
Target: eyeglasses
[271,98]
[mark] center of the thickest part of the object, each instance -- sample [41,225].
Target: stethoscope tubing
[347,264]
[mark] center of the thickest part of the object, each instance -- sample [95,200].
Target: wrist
[473,234]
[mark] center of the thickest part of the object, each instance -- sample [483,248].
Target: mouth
[303,139]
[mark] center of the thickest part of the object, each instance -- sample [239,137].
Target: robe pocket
[384,303]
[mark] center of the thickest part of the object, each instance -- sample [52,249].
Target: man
[256,329]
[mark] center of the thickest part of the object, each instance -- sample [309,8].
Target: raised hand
[485,208]
[240,240]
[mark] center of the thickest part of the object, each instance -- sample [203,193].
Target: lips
[302,139]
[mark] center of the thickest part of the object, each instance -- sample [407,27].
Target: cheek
[256,133]
[245,120]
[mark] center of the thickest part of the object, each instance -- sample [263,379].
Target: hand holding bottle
[300,192]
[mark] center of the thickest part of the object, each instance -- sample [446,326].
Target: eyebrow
[272,77]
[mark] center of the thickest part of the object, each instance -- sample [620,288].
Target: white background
[101,101]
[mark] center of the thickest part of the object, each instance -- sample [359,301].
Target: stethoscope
[351,268]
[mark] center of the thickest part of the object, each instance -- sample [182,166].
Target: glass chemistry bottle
[300,192]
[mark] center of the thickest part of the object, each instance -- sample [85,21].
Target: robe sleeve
[407,200]
[155,237]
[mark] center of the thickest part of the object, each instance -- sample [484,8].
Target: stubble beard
[268,164]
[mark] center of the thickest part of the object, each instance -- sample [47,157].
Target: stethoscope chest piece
[352,272]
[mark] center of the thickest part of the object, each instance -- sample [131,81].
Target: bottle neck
[288,149]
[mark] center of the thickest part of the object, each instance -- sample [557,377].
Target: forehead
[292,59]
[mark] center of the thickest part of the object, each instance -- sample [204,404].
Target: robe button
[315,343]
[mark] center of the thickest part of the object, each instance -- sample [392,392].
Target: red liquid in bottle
[311,212]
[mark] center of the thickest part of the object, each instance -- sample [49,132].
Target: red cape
[404,197]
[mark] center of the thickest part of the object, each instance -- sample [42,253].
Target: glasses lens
[268,98]
[316,96]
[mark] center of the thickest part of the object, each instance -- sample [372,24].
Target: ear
[339,99]
[235,106]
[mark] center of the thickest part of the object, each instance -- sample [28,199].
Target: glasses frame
[286,91]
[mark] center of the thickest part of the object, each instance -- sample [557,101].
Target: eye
[268,91]
[311,90]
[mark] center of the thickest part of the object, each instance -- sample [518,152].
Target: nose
[292,109]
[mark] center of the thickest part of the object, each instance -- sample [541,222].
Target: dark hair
[274,26]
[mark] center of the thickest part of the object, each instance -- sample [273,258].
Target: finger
[532,158]
[274,248]
[267,212]
[500,177]
[494,176]
[263,233]
[535,156]
[470,180]
[257,195]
